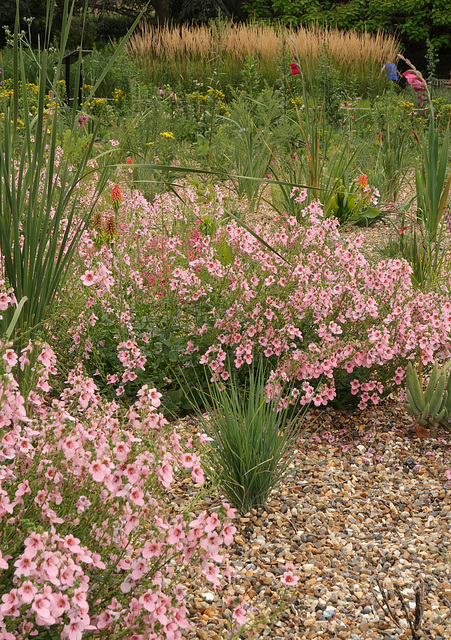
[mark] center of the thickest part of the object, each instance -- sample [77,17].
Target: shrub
[132,329]
[318,309]
[89,545]
[174,288]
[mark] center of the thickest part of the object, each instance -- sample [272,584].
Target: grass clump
[252,433]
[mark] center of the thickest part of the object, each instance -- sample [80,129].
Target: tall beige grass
[263,42]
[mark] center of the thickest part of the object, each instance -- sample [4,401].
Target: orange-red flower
[116,197]
[129,161]
[363,181]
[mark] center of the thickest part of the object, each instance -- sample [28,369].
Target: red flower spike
[363,180]
[116,197]
[294,69]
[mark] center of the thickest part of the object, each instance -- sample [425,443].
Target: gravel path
[365,515]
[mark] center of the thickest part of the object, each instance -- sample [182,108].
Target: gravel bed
[365,516]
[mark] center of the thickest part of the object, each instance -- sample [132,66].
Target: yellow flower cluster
[215,94]
[20,122]
[119,95]
[168,135]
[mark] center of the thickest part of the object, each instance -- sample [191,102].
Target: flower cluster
[325,314]
[88,542]
[315,307]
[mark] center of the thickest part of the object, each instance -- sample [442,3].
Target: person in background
[391,71]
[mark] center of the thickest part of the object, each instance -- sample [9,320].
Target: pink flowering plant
[89,546]
[169,294]
[133,328]
[320,312]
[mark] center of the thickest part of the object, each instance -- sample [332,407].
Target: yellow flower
[119,95]
[168,135]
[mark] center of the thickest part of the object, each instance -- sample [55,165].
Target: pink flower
[149,601]
[198,475]
[166,475]
[5,635]
[82,120]
[187,460]
[210,571]
[25,566]
[41,606]
[155,397]
[88,278]
[104,620]
[97,471]
[10,357]
[137,496]
[60,604]
[289,579]
[228,532]
[239,615]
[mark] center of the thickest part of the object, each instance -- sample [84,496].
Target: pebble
[345,524]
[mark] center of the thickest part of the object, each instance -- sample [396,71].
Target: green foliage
[250,76]
[328,87]
[249,154]
[391,157]
[411,244]
[351,205]
[120,72]
[415,21]
[41,219]
[430,407]
[432,183]
[431,59]
[165,352]
[252,438]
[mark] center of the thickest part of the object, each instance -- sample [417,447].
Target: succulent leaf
[413,384]
[426,415]
[435,405]
[431,385]
[412,406]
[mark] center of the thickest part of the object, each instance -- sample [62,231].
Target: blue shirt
[390,69]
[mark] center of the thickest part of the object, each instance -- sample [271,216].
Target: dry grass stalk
[348,49]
